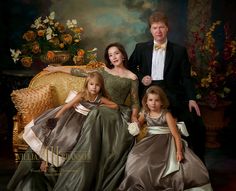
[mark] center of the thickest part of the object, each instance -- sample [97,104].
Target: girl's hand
[51,123]
[179,156]
[44,166]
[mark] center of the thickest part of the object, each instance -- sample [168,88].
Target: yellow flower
[50,55]
[26,61]
[29,36]
[212,66]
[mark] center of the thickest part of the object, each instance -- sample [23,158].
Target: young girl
[162,161]
[53,135]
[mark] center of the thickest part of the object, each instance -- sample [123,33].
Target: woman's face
[159,32]
[94,86]
[115,56]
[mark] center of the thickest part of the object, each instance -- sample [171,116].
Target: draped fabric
[53,145]
[152,164]
[98,158]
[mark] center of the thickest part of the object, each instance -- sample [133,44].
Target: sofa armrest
[17,141]
[16,130]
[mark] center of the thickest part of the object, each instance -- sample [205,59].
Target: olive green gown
[98,159]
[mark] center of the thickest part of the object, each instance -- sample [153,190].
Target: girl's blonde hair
[97,76]
[158,91]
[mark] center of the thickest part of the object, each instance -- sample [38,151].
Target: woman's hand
[134,119]
[52,69]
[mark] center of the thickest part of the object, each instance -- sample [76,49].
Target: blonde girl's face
[154,102]
[115,56]
[94,86]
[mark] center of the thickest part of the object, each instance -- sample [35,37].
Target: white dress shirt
[158,62]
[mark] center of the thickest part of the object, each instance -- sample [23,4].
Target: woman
[98,159]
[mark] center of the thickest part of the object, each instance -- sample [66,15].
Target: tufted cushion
[31,102]
[62,84]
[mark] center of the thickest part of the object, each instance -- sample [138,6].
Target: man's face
[159,32]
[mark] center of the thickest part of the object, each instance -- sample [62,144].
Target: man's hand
[193,104]
[147,80]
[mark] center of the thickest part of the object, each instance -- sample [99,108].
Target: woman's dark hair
[121,49]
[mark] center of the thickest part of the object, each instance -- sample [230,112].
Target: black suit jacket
[177,82]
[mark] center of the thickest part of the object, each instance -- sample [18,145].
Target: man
[161,62]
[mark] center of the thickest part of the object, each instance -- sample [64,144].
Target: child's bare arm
[141,120]
[108,103]
[69,105]
[174,131]
[52,122]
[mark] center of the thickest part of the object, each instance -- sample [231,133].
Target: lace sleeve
[83,73]
[134,98]
[78,72]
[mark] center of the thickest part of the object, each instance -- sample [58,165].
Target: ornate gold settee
[45,91]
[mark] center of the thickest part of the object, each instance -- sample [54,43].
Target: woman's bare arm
[52,69]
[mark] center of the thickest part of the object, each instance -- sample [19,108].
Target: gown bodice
[160,121]
[118,87]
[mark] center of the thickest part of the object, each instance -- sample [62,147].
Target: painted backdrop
[106,21]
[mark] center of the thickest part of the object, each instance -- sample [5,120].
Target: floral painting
[45,36]
[214,63]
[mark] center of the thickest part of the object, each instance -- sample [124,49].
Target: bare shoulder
[169,116]
[131,75]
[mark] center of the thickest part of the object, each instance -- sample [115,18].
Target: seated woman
[98,159]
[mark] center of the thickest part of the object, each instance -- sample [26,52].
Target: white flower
[15,54]
[52,15]
[133,128]
[37,23]
[49,33]
[71,23]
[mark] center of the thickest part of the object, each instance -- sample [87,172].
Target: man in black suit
[161,62]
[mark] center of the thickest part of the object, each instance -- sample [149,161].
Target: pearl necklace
[93,100]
